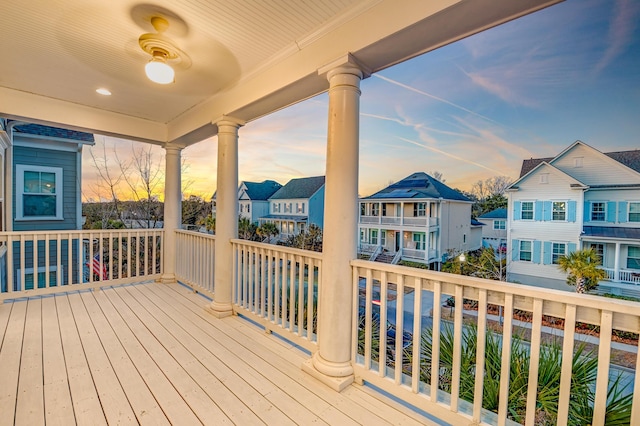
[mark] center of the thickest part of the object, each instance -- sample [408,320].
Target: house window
[599,249]
[363,209]
[559,210]
[464,238]
[499,224]
[633,257]
[363,238]
[418,239]
[420,209]
[383,238]
[299,207]
[30,282]
[374,236]
[598,210]
[375,209]
[527,210]
[38,192]
[557,250]
[276,207]
[384,209]
[634,212]
[525,251]
[248,208]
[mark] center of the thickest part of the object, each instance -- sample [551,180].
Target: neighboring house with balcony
[419,219]
[297,205]
[494,233]
[43,190]
[580,198]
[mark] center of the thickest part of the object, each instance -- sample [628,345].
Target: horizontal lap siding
[50,158]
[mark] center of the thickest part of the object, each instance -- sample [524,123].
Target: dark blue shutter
[586,215]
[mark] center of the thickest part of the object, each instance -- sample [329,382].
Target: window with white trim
[419,240]
[526,249]
[30,281]
[420,209]
[599,249]
[634,212]
[598,211]
[363,209]
[557,250]
[526,212]
[559,211]
[374,237]
[633,257]
[38,192]
[375,209]
[499,224]
[276,207]
[300,207]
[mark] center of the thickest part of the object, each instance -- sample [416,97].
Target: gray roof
[261,191]
[285,217]
[299,188]
[419,186]
[611,232]
[37,129]
[500,213]
[630,159]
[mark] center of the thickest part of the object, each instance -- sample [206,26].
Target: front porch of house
[141,351]
[149,353]
[621,262]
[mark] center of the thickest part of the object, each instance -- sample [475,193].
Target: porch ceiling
[245,58]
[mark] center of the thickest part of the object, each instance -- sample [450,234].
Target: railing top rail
[522,290]
[282,249]
[81,232]
[195,233]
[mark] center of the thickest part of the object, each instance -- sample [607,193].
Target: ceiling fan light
[159,71]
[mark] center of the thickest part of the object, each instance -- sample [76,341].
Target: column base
[220,310]
[335,375]
[168,279]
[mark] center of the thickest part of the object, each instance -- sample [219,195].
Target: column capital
[172,148]
[227,120]
[346,64]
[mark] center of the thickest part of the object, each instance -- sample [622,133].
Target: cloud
[621,29]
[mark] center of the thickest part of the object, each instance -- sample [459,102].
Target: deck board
[57,396]
[151,354]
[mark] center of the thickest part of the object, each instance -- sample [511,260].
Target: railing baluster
[417,328]
[534,361]
[10,277]
[635,410]
[368,319]
[69,272]
[604,359]
[399,326]
[47,265]
[567,365]
[292,290]
[263,283]
[382,367]
[457,348]
[311,272]
[480,356]
[435,340]
[22,254]
[300,294]
[506,359]
[34,259]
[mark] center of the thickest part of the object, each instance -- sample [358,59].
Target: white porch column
[172,210]
[332,362]
[226,214]
[616,264]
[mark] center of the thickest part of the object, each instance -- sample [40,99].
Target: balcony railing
[278,287]
[626,276]
[415,221]
[195,253]
[465,365]
[36,262]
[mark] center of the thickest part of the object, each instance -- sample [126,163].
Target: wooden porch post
[172,210]
[332,362]
[226,214]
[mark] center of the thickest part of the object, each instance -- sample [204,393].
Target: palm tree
[582,266]
[267,230]
[246,229]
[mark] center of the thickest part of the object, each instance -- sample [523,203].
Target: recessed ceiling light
[103,91]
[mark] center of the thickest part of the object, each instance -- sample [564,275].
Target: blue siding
[70,176]
[27,248]
[316,208]
[586,215]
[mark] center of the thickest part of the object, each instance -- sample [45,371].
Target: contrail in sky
[429,95]
[448,154]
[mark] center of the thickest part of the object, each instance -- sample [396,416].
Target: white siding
[597,168]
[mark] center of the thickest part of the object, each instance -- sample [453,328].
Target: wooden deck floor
[150,354]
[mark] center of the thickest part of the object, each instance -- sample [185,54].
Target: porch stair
[385,257]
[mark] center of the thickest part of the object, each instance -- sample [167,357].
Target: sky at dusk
[471,110]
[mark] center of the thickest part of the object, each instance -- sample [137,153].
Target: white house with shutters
[580,198]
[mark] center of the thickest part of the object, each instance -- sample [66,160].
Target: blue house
[297,205]
[42,193]
[494,233]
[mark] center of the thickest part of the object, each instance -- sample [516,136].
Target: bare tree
[110,180]
[495,185]
[437,176]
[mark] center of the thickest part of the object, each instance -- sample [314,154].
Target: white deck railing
[463,374]
[278,287]
[46,262]
[626,276]
[195,253]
